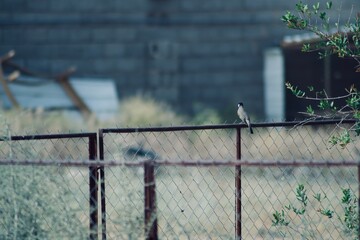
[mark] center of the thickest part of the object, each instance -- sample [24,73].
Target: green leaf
[301,194]
[328,5]
[334,140]
[345,138]
[327,212]
[305,47]
[310,110]
[301,7]
[279,219]
[293,22]
[356,114]
[323,15]
[317,196]
[297,92]
[357,128]
[299,211]
[332,106]
[350,205]
[324,104]
[353,101]
[346,196]
[316,7]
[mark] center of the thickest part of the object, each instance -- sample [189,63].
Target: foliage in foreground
[34,204]
[333,39]
[343,41]
[304,210]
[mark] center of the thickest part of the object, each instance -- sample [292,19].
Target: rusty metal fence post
[93,188]
[150,211]
[238,186]
[151,232]
[102,185]
[93,171]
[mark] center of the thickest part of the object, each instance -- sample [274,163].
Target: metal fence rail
[67,187]
[183,182]
[218,200]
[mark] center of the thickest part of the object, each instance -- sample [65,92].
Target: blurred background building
[189,53]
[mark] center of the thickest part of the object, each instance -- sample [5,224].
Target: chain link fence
[196,182]
[45,199]
[199,191]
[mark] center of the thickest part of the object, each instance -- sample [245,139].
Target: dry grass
[199,202]
[195,202]
[137,111]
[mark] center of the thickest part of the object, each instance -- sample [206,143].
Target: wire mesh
[44,202]
[181,183]
[199,201]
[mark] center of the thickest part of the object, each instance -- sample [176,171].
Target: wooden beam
[63,80]
[3,81]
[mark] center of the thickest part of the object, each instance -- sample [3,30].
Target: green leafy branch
[341,41]
[325,102]
[349,220]
[327,107]
[282,218]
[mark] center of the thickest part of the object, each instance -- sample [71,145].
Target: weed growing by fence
[35,204]
[297,218]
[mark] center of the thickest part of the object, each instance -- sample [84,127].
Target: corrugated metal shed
[99,94]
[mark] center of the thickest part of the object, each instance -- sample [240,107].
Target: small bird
[243,116]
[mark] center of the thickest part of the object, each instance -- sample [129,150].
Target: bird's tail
[251,130]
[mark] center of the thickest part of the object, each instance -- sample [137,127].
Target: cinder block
[62,35]
[36,35]
[112,35]
[13,35]
[12,5]
[230,63]
[199,5]
[124,50]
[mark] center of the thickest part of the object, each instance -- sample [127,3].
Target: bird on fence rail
[243,116]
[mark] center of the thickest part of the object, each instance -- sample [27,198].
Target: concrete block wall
[187,52]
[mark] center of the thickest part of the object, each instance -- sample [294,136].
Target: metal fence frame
[97,163]
[149,174]
[93,172]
